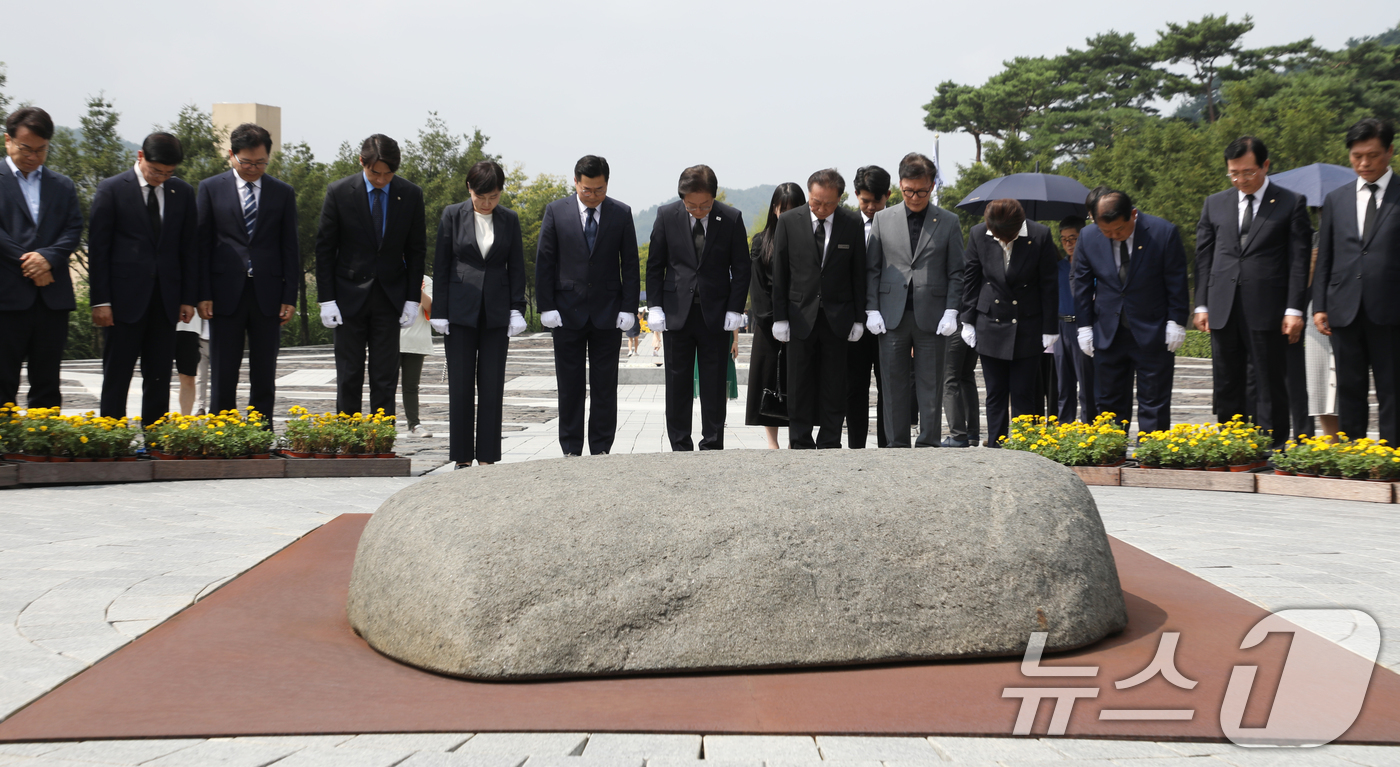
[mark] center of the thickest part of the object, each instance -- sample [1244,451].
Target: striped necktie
[250,210]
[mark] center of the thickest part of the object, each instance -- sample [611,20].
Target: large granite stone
[738,559]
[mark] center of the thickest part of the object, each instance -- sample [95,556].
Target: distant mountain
[752,202]
[77,135]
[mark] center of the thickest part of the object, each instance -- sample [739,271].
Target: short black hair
[698,178]
[1246,145]
[915,165]
[380,148]
[248,136]
[1114,205]
[1071,222]
[873,179]
[591,166]
[163,149]
[486,177]
[1365,130]
[33,118]
[828,178]
[1004,218]
[1091,200]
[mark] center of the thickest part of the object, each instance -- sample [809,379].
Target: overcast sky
[763,92]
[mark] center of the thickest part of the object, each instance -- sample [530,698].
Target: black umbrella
[1045,196]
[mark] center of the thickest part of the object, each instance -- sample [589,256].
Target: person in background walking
[415,346]
[763,354]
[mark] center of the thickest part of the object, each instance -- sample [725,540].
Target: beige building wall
[226,117]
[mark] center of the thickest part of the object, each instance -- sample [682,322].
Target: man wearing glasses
[40,226]
[914,278]
[248,267]
[1253,246]
[697,283]
[143,273]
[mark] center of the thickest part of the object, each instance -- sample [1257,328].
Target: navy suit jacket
[350,260]
[126,261]
[225,250]
[1010,310]
[1155,292]
[55,236]
[468,280]
[1353,275]
[585,286]
[720,276]
[1271,272]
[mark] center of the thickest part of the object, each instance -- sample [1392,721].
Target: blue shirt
[29,187]
[369,188]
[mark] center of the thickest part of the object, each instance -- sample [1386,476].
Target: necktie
[1247,221]
[376,213]
[698,232]
[1123,262]
[820,235]
[1370,222]
[153,212]
[590,229]
[250,209]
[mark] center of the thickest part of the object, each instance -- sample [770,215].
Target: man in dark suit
[143,272]
[697,284]
[1252,257]
[40,226]
[248,269]
[1357,280]
[872,186]
[1130,298]
[587,284]
[370,248]
[913,286]
[818,306]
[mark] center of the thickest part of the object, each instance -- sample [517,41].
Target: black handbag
[773,403]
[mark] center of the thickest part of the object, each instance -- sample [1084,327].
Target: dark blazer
[55,236]
[1011,310]
[466,278]
[125,260]
[1271,272]
[585,286]
[1352,275]
[1155,292]
[936,269]
[350,258]
[802,284]
[721,275]
[760,280]
[225,251]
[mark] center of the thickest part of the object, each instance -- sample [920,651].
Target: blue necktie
[376,212]
[590,230]
[250,210]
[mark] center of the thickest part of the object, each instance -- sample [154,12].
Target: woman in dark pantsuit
[478,302]
[1009,308]
[763,359]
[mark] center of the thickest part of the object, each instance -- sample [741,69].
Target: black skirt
[763,373]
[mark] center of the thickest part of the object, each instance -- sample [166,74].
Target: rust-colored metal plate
[271,653]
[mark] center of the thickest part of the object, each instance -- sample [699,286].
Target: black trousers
[226,336]
[1013,380]
[694,351]
[862,357]
[1359,348]
[1074,377]
[1114,371]
[411,368]
[476,387]
[594,350]
[37,334]
[960,390]
[152,339]
[1234,348]
[817,387]
[376,325]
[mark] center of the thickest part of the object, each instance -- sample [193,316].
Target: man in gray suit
[914,278]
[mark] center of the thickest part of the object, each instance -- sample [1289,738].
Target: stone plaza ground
[84,570]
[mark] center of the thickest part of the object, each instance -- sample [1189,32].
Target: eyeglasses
[592,191]
[250,163]
[29,151]
[916,194]
[149,170]
[706,208]
[1069,239]
[1242,175]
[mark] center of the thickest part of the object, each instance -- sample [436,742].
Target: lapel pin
[1139,247]
[717,218]
[1271,201]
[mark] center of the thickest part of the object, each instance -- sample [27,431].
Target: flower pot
[1259,464]
[1243,466]
[323,455]
[294,454]
[261,456]
[59,459]
[82,460]
[126,458]
[347,455]
[108,459]
[191,457]
[235,457]
[1217,468]
[27,458]
[1282,473]
[15,457]
[1193,468]
[1302,474]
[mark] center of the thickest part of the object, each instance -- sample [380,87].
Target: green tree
[296,164]
[528,198]
[200,140]
[438,162]
[1206,45]
[4,98]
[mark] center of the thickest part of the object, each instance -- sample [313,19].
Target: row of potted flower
[45,434]
[1072,443]
[339,435]
[1237,445]
[228,435]
[1339,457]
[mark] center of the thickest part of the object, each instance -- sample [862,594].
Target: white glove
[969,336]
[1048,339]
[1086,340]
[1176,336]
[656,319]
[441,326]
[782,331]
[551,319]
[410,313]
[330,314]
[949,324]
[857,329]
[625,320]
[733,321]
[517,324]
[874,322]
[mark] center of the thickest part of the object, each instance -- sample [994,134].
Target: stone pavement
[83,570]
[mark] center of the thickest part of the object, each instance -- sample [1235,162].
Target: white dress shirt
[485,232]
[827,243]
[1363,196]
[29,187]
[1006,247]
[583,213]
[146,191]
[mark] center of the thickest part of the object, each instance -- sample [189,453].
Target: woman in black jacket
[763,359]
[478,302]
[1009,309]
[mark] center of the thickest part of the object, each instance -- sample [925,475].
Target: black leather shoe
[950,442]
